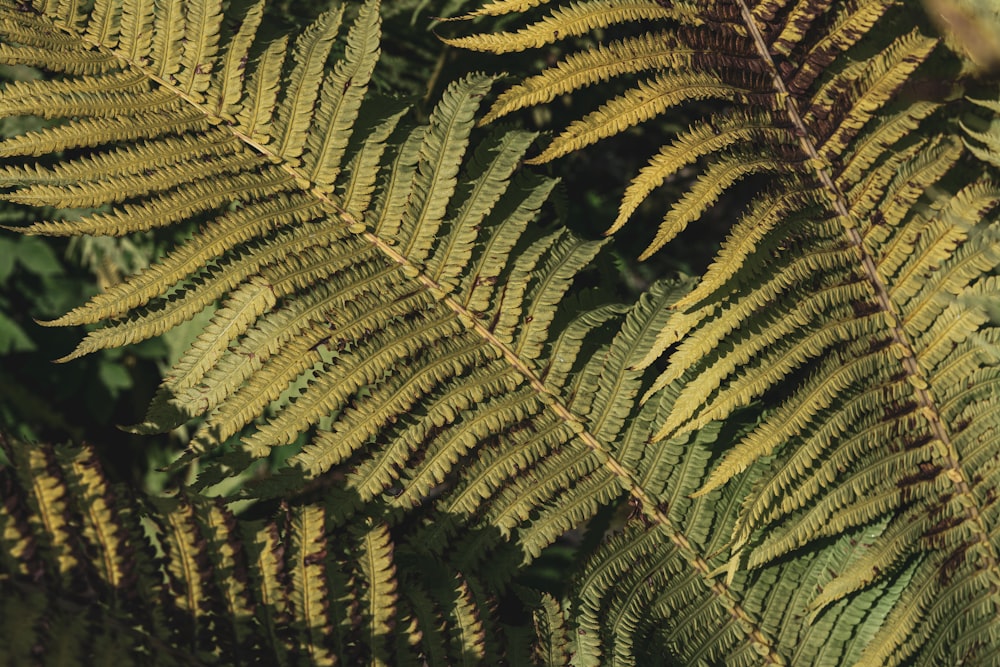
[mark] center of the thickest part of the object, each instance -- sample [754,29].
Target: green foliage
[844,295]
[38,280]
[92,570]
[404,384]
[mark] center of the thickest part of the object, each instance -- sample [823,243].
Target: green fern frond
[854,296]
[376,289]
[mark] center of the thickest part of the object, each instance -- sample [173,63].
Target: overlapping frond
[855,298]
[381,302]
[632,603]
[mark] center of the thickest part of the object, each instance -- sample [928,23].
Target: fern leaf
[379,573]
[719,178]
[125,161]
[229,87]
[699,142]
[643,53]
[989,149]
[438,165]
[485,191]
[751,234]
[645,101]
[570,21]
[256,115]
[102,526]
[244,306]
[72,61]
[294,111]
[847,298]
[95,193]
[545,285]
[104,23]
[340,100]
[272,581]
[49,505]
[882,80]
[170,41]
[170,118]
[501,7]
[362,170]
[27,96]
[468,637]
[850,23]
[235,228]
[201,42]
[308,600]
[135,40]
[384,298]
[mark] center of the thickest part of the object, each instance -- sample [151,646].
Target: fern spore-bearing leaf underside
[381,289]
[856,295]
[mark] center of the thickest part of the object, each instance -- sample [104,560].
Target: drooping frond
[632,604]
[855,298]
[683,53]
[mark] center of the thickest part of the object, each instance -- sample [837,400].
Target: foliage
[93,570]
[39,280]
[803,444]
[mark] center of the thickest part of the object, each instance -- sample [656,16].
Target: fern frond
[647,100]
[101,525]
[379,293]
[699,142]
[261,93]
[376,290]
[570,21]
[236,50]
[338,109]
[295,110]
[852,298]
[640,54]
[379,571]
[986,144]
[309,598]
[232,590]
[501,7]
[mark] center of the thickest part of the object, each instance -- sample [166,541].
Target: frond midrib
[953,470]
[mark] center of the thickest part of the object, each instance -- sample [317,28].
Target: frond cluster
[92,574]
[376,290]
[384,303]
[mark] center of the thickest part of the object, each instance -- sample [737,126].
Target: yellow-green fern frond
[572,20]
[376,290]
[704,53]
[854,299]
[985,133]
